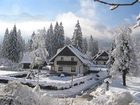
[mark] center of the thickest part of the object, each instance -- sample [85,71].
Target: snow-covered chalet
[70,60]
[101,58]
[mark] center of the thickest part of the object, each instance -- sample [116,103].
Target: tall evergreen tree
[92,46]
[67,41]
[5,44]
[20,45]
[84,46]
[58,37]
[61,39]
[77,36]
[55,38]
[49,41]
[13,45]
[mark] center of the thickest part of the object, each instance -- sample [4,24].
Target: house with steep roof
[101,58]
[70,60]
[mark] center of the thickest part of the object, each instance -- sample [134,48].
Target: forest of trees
[51,40]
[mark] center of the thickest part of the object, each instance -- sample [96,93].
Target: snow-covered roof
[26,58]
[82,57]
[99,54]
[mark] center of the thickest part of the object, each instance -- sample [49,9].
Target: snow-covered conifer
[84,46]
[93,46]
[49,40]
[61,39]
[67,41]
[5,44]
[77,36]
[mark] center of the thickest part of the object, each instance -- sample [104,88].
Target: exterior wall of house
[69,64]
[101,62]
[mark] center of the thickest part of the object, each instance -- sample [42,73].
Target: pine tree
[84,46]
[49,41]
[20,45]
[13,45]
[96,47]
[77,36]
[67,41]
[58,37]
[61,39]
[5,45]
[93,46]
[55,38]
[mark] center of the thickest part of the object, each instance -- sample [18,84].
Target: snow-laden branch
[115,5]
[138,22]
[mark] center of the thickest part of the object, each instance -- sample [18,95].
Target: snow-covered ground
[71,85]
[117,95]
[133,86]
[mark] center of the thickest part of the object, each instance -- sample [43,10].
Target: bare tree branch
[118,4]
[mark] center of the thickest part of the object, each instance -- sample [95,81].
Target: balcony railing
[66,63]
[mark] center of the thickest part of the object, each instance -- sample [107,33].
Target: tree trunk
[124,77]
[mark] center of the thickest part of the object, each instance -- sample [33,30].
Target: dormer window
[72,59]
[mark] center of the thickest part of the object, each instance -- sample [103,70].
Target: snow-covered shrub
[21,94]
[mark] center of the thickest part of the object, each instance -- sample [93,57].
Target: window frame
[73,69]
[60,69]
[72,58]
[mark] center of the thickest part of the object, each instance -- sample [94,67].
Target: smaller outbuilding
[26,61]
[101,58]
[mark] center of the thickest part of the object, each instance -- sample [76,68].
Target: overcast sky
[95,19]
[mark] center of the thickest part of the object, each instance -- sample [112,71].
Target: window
[62,58]
[73,69]
[60,68]
[72,59]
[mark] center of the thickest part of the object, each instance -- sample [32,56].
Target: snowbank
[19,94]
[111,98]
[15,93]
